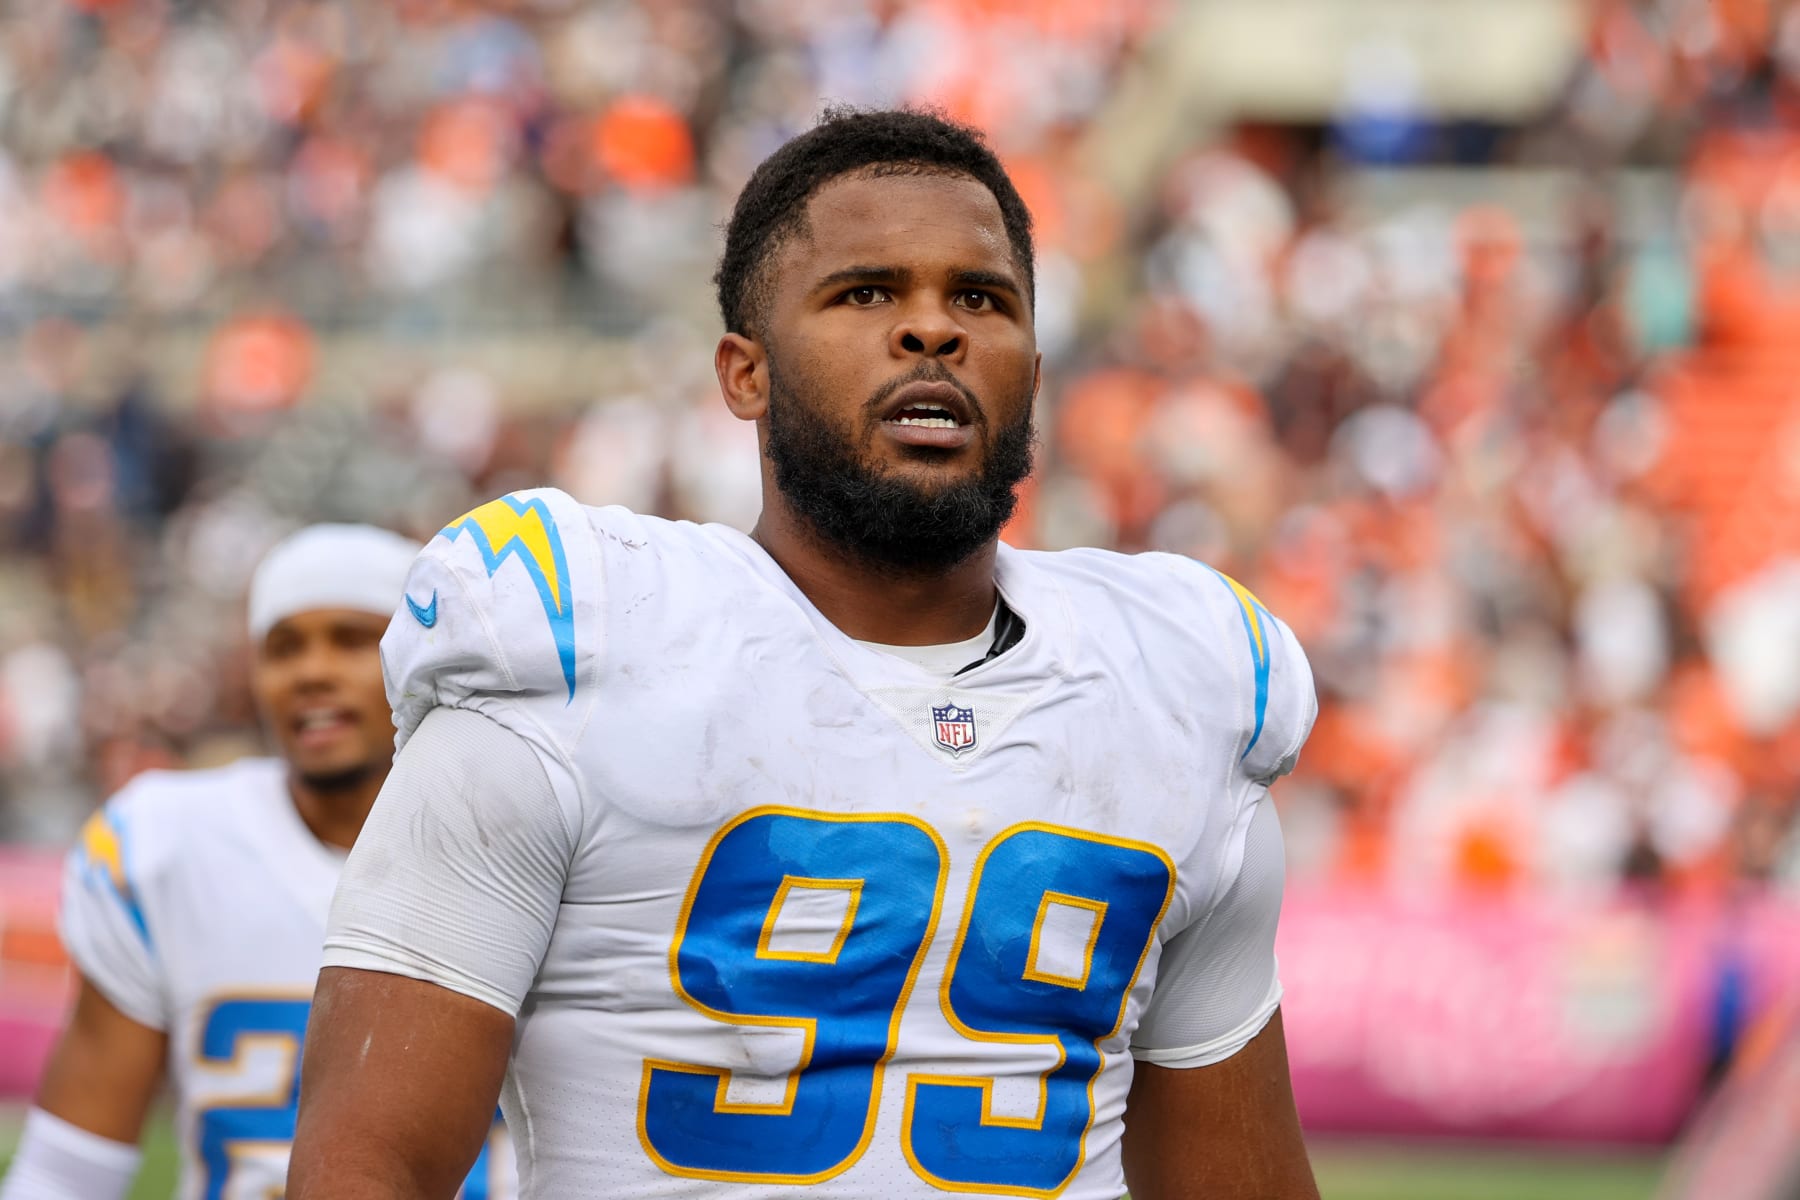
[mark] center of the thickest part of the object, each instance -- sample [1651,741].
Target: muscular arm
[400,1082]
[1224,1132]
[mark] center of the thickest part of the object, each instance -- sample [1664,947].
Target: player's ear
[743,368]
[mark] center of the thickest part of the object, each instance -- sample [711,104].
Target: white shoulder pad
[501,604]
[1282,703]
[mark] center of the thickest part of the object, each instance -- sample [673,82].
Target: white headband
[330,566]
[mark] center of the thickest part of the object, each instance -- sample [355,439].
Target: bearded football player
[863,853]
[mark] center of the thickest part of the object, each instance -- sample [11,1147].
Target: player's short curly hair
[772,206]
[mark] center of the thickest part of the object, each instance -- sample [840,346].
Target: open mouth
[926,416]
[314,726]
[931,413]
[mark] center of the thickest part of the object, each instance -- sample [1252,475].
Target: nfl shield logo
[955,727]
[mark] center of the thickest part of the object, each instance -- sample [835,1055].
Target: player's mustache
[928,372]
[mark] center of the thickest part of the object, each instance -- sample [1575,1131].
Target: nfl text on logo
[954,728]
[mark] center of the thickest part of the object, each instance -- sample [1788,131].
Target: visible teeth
[928,422]
[318,720]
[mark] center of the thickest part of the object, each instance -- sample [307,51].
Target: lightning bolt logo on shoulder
[524,529]
[102,855]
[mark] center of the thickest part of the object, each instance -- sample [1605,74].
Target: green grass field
[1348,1170]
[1356,1170]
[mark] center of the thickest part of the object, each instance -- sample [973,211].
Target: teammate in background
[862,853]
[194,906]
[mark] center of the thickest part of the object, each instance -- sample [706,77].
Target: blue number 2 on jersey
[231,1027]
[846,998]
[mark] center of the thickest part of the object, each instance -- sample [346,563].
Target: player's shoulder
[547,530]
[170,799]
[1201,629]
[1151,581]
[492,603]
[508,601]
[529,544]
[162,819]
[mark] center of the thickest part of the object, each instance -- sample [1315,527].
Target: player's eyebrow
[967,277]
[865,274]
[994,280]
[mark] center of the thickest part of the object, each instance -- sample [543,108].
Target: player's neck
[335,815]
[870,604]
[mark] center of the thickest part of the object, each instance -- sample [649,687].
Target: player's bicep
[1223,1132]
[457,877]
[398,1087]
[104,1071]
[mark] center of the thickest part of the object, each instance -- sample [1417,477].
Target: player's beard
[344,779]
[883,518]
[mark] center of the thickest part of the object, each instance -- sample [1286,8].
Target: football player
[862,853]
[194,906]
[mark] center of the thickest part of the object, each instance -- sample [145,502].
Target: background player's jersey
[196,903]
[818,918]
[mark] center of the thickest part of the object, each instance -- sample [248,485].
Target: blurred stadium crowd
[1526,487]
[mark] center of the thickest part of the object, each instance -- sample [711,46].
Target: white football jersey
[809,915]
[196,903]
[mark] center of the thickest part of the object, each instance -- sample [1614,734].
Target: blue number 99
[1005,983]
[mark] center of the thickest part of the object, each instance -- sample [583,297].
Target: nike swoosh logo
[425,614]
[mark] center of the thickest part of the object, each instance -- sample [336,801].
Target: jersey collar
[1033,621]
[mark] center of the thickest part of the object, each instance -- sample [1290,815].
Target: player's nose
[317,667]
[928,327]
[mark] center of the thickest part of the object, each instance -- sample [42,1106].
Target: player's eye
[976,300]
[349,637]
[863,297]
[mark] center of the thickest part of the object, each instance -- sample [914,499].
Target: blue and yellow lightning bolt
[525,529]
[102,851]
[1257,625]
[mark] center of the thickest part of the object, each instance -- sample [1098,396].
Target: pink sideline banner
[1517,1018]
[35,981]
[1522,1018]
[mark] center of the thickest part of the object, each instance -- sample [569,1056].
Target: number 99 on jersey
[844,993]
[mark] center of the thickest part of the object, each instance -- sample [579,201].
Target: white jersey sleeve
[458,873]
[1218,985]
[457,876]
[103,921]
